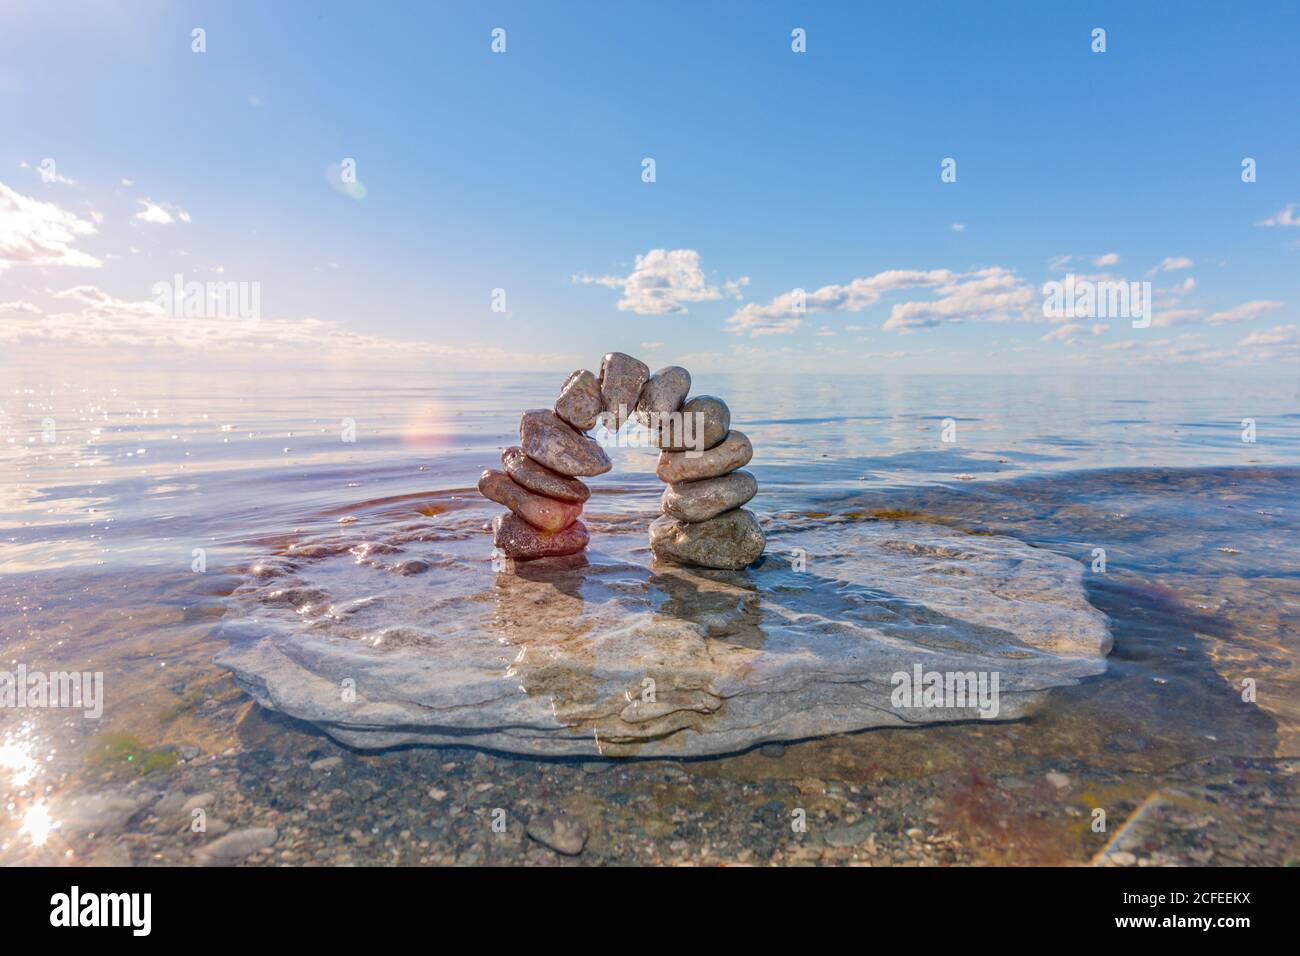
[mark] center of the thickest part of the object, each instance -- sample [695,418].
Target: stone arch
[703,521]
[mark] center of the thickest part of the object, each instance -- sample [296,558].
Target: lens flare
[37,823]
[15,758]
[428,427]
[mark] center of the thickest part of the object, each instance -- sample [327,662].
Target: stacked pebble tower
[702,524]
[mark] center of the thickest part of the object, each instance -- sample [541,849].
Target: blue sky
[774,170]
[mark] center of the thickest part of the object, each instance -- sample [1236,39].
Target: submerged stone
[562,834]
[234,847]
[551,659]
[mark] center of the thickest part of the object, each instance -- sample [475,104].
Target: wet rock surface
[553,656]
[548,440]
[705,422]
[561,834]
[540,479]
[735,451]
[235,847]
[554,442]
[1195,779]
[664,392]
[543,513]
[621,379]
[732,540]
[519,540]
[580,400]
[709,497]
[667,812]
[98,812]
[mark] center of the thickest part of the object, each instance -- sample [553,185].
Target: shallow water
[101,526]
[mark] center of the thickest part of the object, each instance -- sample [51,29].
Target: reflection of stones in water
[528,593]
[565,573]
[609,670]
[725,604]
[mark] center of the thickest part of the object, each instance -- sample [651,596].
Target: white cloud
[1074,331]
[1278,335]
[94,322]
[1278,344]
[1064,333]
[1285,336]
[662,281]
[40,233]
[1172,317]
[161,214]
[958,227]
[757,321]
[1109,259]
[1170,264]
[1245,312]
[98,301]
[20,306]
[1268,347]
[994,294]
[782,316]
[734,287]
[1284,217]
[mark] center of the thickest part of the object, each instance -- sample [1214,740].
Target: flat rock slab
[614,654]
